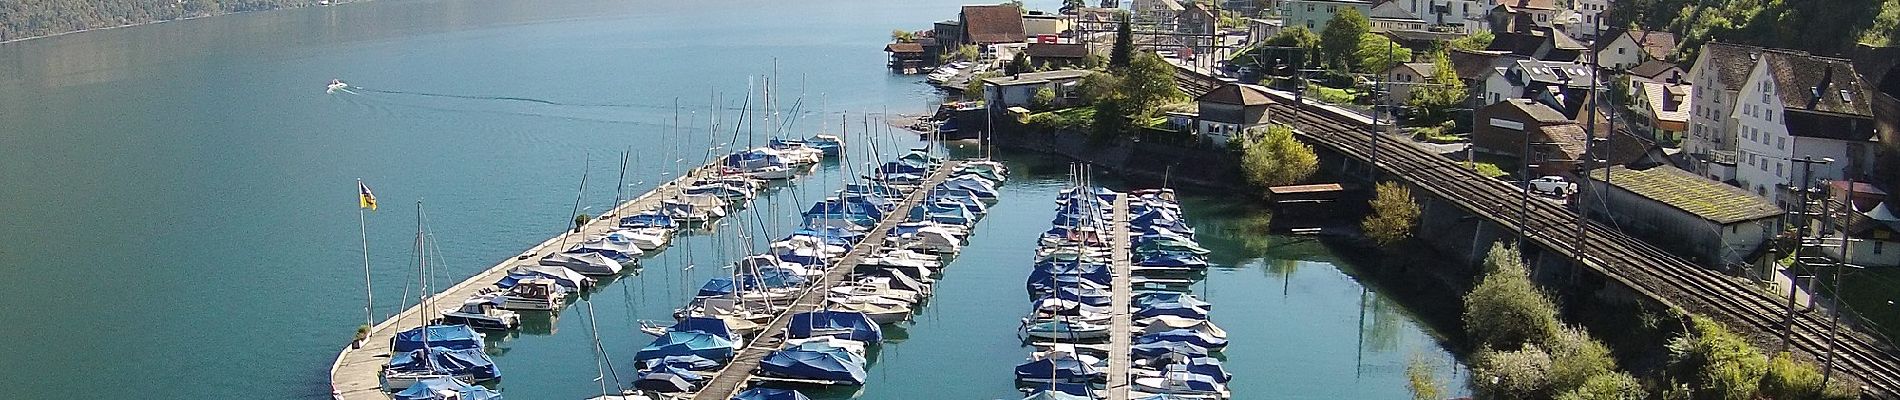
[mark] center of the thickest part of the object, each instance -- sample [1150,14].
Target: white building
[1020,90]
[1533,78]
[1705,221]
[1231,109]
[1793,106]
[1624,49]
[1717,74]
[1466,14]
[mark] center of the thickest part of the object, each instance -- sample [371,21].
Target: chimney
[1675,78]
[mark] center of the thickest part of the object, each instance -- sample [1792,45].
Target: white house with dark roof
[1467,14]
[1534,78]
[1230,110]
[1718,75]
[1793,106]
[1390,16]
[1020,90]
[1699,219]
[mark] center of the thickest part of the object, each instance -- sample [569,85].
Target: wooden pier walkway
[356,374]
[737,373]
[1121,329]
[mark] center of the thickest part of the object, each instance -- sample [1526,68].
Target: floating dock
[1121,329]
[357,372]
[736,374]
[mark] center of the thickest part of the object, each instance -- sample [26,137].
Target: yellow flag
[364,198]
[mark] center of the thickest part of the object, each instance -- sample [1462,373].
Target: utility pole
[1801,238]
[1596,70]
[1834,323]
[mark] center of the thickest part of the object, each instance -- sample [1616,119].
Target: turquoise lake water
[178,197]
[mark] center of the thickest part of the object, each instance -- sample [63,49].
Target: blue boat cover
[1090,295]
[1041,281]
[802,363]
[833,236]
[1208,366]
[1170,308]
[684,363]
[1193,381]
[707,325]
[453,337]
[762,393]
[648,219]
[1188,336]
[1171,259]
[838,324]
[708,346]
[470,362]
[445,389]
[1057,369]
[1149,351]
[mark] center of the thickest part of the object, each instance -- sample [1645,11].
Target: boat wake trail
[498,98]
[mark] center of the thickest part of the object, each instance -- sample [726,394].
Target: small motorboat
[541,294]
[483,311]
[1183,382]
[335,85]
[880,310]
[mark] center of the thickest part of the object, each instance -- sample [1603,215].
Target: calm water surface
[178,197]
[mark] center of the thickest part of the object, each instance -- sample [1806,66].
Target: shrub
[1425,384]
[1506,310]
[1277,159]
[1717,362]
[1519,374]
[1394,213]
[1044,99]
[1576,358]
[1607,386]
[1790,380]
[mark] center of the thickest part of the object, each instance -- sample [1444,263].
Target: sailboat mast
[422,301]
[369,293]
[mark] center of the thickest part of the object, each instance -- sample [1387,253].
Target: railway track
[1631,262]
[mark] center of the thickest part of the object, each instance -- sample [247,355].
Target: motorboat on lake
[538,294]
[483,311]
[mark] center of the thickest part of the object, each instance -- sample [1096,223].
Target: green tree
[902,36]
[1393,214]
[1505,310]
[1018,65]
[1044,99]
[1147,83]
[1340,38]
[1291,47]
[1111,117]
[1377,54]
[1787,379]
[1123,51]
[1424,381]
[1277,159]
[1575,357]
[1446,91]
[1098,87]
[968,52]
[1476,41]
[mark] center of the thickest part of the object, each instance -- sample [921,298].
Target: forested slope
[21,19]
[1818,26]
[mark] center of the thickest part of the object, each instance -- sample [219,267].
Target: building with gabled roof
[1230,110]
[1623,49]
[987,25]
[1794,106]
[1709,222]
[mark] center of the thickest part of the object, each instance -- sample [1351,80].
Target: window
[1764,97]
[1781,143]
[1332,9]
[1621,50]
[1770,115]
[1777,170]
[1764,167]
[1309,8]
[1309,24]
[1877,246]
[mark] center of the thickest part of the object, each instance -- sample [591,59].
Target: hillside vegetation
[1818,26]
[20,19]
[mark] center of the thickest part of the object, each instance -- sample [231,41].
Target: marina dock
[356,374]
[1120,327]
[736,374]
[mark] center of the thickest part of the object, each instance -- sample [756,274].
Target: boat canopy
[802,362]
[584,263]
[1175,309]
[664,382]
[649,219]
[1145,299]
[1184,336]
[833,236]
[561,275]
[763,393]
[1171,259]
[1169,322]
[707,325]
[1063,368]
[839,324]
[705,345]
[621,251]
[445,389]
[687,363]
[1182,379]
[1156,350]
[463,362]
[453,337]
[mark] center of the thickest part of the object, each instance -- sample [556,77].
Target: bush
[1044,99]
[1489,170]
[1519,374]
[1789,380]
[1575,358]
[1717,362]
[1506,310]
[1277,159]
[1394,213]
[1607,386]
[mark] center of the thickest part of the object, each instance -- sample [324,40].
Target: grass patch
[1489,170]
[1073,118]
[1330,95]
[1869,293]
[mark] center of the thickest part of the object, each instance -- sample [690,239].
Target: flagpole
[365,200]
[369,316]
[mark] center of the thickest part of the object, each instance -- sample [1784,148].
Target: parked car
[1554,185]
